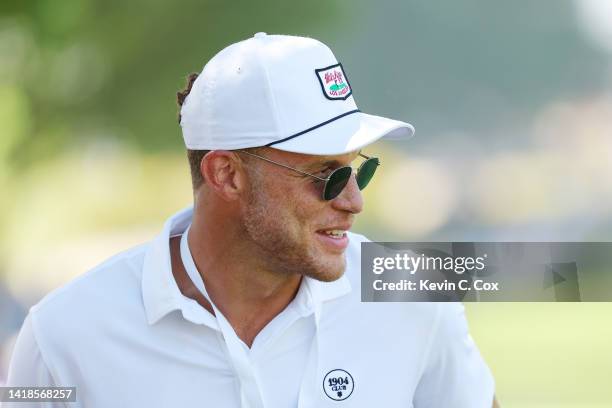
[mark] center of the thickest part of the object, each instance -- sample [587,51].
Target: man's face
[286,218]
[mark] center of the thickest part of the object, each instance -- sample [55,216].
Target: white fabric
[251,388]
[28,367]
[124,335]
[363,128]
[265,89]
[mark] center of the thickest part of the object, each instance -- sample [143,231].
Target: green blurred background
[512,102]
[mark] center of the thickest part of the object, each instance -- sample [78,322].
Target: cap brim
[347,134]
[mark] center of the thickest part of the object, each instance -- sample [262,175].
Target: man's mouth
[335,237]
[335,233]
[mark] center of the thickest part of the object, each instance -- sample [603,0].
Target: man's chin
[329,268]
[329,277]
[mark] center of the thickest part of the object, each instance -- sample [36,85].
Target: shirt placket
[250,390]
[308,388]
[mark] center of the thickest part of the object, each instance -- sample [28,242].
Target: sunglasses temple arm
[283,165]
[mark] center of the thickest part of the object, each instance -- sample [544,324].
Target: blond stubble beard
[280,249]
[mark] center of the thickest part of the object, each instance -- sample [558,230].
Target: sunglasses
[337,179]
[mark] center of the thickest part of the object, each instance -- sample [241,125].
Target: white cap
[286,92]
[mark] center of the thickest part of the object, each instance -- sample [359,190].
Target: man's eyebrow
[322,164]
[327,163]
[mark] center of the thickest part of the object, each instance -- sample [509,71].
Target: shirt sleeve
[28,369]
[454,373]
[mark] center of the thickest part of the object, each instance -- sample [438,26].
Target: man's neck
[247,296]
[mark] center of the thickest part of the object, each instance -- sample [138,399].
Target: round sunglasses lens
[366,172]
[336,182]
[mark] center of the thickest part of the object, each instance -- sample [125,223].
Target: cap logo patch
[334,83]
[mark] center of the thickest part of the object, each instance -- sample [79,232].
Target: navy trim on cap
[314,127]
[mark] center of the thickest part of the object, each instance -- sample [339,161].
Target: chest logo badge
[338,384]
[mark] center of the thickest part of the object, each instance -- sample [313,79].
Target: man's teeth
[336,233]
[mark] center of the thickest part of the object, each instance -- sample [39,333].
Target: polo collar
[161,294]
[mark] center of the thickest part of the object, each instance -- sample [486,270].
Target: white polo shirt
[125,336]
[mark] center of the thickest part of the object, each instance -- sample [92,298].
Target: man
[251,297]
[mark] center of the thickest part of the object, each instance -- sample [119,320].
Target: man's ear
[223,173]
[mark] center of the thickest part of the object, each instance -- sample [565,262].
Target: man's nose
[350,199]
